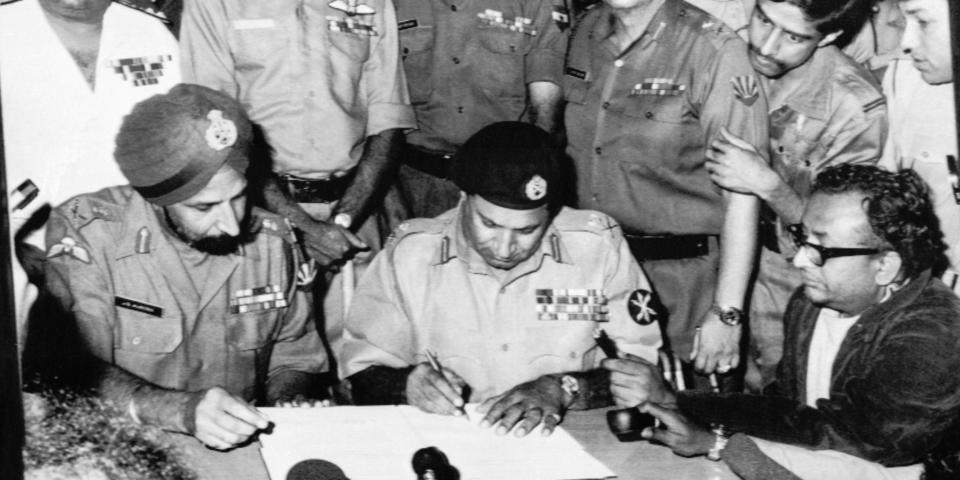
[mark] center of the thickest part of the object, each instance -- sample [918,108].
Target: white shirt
[922,134]
[58,132]
[828,334]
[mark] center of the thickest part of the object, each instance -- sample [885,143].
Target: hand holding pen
[435,389]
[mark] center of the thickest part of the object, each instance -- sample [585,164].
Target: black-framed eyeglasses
[818,254]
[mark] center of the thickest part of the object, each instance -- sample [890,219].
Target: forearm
[278,201]
[544,109]
[285,385]
[738,245]
[375,168]
[379,385]
[147,403]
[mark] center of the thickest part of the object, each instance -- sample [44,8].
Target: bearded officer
[189,297]
[507,289]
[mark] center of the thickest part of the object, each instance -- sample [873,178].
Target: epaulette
[145,6]
[574,220]
[414,226]
[84,209]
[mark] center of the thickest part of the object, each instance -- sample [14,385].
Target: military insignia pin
[68,246]
[222,132]
[641,307]
[746,90]
[351,7]
[536,188]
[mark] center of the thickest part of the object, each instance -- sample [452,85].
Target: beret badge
[222,132]
[536,188]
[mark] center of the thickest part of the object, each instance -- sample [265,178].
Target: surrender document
[374,443]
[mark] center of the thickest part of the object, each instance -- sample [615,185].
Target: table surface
[630,460]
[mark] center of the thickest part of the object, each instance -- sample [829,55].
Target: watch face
[730,316]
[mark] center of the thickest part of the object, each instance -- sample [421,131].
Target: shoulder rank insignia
[352,7]
[561,17]
[641,307]
[141,71]
[572,305]
[68,246]
[746,90]
[143,240]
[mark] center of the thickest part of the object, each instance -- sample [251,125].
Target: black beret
[511,164]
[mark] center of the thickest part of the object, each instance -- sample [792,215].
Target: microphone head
[316,469]
[429,458]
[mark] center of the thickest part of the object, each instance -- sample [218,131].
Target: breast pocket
[575,90]
[142,333]
[558,345]
[656,108]
[256,43]
[354,46]
[416,48]
[253,330]
[500,62]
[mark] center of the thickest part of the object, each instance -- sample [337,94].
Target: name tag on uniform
[407,24]
[269,297]
[141,71]
[588,305]
[137,306]
[657,86]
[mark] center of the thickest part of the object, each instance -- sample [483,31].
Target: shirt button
[648,114]
[459,109]
[606,105]
[456,60]
[573,354]
[453,8]
[618,63]
[598,150]
[136,340]
[505,347]
[406,50]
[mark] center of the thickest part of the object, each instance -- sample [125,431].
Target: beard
[219,245]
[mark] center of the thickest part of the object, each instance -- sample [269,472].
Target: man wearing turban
[187,293]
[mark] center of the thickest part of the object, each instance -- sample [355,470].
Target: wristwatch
[731,316]
[571,387]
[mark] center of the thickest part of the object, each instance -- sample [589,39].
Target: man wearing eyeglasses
[868,385]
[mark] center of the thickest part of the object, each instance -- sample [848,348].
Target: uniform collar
[142,231]
[665,16]
[454,244]
[813,97]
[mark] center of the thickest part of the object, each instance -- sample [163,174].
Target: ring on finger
[724,368]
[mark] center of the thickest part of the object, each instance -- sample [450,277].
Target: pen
[435,364]
[605,343]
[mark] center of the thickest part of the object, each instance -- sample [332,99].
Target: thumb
[666,416]
[735,140]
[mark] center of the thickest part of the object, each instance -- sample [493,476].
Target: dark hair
[829,16]
[898,208]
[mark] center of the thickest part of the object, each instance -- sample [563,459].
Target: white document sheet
[378,443]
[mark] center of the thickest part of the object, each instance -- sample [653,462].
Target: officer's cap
[171,145]
[512,164]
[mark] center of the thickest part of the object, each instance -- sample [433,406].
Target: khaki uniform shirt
[839,116]
[430,290]
[468,63]
[318,80]
[639,123]
[111,263]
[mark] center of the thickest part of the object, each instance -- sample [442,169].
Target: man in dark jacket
[871,348]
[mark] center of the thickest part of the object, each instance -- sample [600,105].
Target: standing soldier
[469,64]
[649,84]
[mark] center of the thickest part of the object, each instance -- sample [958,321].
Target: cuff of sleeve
[745,458]
[544,66]
[387,116]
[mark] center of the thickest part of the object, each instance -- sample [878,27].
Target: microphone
[316,469]
[431,464]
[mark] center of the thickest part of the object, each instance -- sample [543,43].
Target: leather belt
[434,164]
[664,247]
[306,190]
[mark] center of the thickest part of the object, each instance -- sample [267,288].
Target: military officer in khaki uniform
[175,281]
[507,289]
